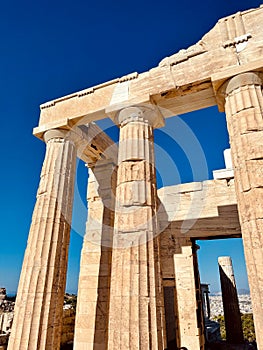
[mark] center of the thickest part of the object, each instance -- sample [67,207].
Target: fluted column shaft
[91,326]
[135,318]
[244,114]
[39,303]
[234,332]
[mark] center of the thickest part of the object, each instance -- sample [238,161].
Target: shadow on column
[102,309]
[233,324]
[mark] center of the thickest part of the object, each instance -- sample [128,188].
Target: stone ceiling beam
[199,210]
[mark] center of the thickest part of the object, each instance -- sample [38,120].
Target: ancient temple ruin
[139,285]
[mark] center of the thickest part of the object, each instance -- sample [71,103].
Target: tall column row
[120,302]
[120,299]
[244,114]
[40,297]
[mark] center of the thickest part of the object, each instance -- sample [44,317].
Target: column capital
[58,134]
[232,83]
[147,114]
[224,260]
[237,81]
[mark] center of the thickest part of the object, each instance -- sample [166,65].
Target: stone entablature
[179,84]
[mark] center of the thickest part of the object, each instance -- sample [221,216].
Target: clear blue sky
[52,48]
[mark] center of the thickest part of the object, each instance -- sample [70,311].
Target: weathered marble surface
[122,293]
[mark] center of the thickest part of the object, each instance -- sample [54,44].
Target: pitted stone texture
[136,319]
[244,113]
[39,303]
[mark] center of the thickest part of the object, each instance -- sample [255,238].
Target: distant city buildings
[216,304]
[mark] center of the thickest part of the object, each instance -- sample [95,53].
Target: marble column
[188,295]
[234,332]
[136,298]
[244,114]
[91,327]
[40,297]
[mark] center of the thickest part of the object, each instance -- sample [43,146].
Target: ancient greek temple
[139,285]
